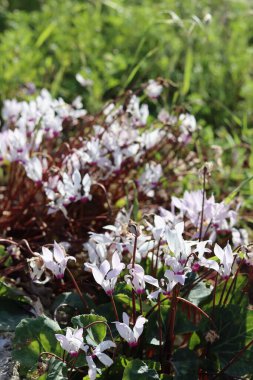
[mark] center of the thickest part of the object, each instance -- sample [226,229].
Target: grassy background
[120,43]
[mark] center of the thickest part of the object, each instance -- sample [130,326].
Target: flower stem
[160,328]
[236,357]
[86,307]
[170,337]
[203,203]
[140,299]
[133,292]
[114,308]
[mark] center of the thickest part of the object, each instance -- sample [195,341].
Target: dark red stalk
[203,203]
[237,356]
[86,307]
[114,308]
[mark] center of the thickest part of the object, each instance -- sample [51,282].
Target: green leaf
[185,363]
[11,313]
[33,336]
[139,370]
[237,190]
[234,331]
[194,341]
[182,324]
[236,296]
[96,332]
[199,293]
[72,299]
[56,370]
[45,35]
[187,71]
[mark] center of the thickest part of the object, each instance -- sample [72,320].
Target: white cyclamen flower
[226,259]
[138,279]
[99,353]
[56,261]
[106,274]
[131,336]
[72,342]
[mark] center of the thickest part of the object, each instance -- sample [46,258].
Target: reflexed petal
[76,178]
[105,359]
[79,334]
[125,332]
[151,280]
[92,368]
[218,251]
[105,346]
[138,328]
[47,254]
[105,267]
[115,260]
[59,253]
[125,318]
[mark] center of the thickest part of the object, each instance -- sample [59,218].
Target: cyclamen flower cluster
[119,255]
[73,342]
[216,216]
[30,132]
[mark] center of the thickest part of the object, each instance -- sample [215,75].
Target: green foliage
[120,42]
[182,324]
[234,331]
[97,332]
[138,370]
[32,337]
[185,363]
[14,307]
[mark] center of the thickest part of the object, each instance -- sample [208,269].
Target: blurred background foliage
[205,47]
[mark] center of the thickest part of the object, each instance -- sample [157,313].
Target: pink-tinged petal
[151,280]
[76,178]
[59,253]
[69,333]
[53,267]
[159,222]
[92,372]
[105,267]
[79,334]
[86,182]
[115,260]
[104,346]
[125,318]
[154,295]
[177,202]
[105,359]
[113,273]
[218,251]
[207,263]
[228,254]
[125,332]
[98,276]
[47,255]
[179,227]
[63,342]
[110,228]
[180,278]
[138,328]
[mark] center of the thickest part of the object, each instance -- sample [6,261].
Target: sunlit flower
[226,259]
[106,274]
[57,260]
[98,352]
[131,336]
[72,342]
[138,279]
